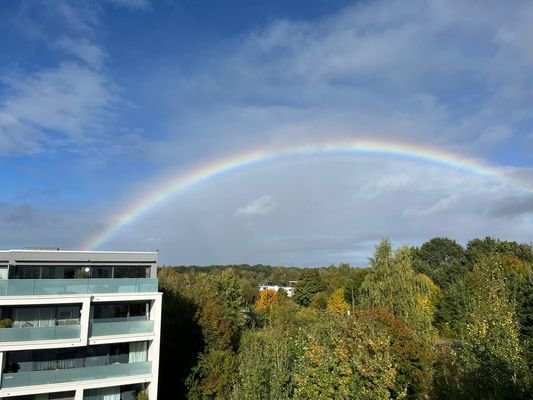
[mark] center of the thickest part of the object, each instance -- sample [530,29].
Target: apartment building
[78,325]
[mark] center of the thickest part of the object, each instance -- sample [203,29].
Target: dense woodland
[437,321]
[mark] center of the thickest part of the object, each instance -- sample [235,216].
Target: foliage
[81,274]
[412,355]
[265,364]
[213,376]
[525,319]
[223,339]
[220,317]
[442,259]
[308,285]
[319,301]
[337,304]
[477,249]
[5,323]
[142,395]
[393,285]
[202,322]
[345,358]
[181,335]
[491,361]
[266,300]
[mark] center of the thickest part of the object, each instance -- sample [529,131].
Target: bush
[6,323]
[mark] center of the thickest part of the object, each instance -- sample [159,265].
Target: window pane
[132,272]
[101,272]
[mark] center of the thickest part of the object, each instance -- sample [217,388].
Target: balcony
[33,287]
[43,333]
[19,379]
[120,328]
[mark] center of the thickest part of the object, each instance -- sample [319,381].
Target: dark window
[119,353]
[91,356]
[62,396]
[129,392]
[27,272]
[31,316]
[101,272]
[109,312]
[132,272]
[48,396]
[68,315]
[78,271]
[137,311]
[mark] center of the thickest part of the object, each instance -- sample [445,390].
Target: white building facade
[288,289]
[78,325]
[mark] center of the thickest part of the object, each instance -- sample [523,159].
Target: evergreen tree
[309,284]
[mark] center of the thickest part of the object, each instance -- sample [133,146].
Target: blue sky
[99,100]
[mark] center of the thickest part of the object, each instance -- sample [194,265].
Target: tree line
[436,321]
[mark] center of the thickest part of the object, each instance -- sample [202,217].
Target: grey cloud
[29,225]
[324,219]
[20,215]
[513,206]
[23,213]
[441,205]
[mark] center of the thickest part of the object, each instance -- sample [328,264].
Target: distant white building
[288,289]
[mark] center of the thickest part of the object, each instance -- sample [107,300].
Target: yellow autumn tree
[337,304]
[266,300]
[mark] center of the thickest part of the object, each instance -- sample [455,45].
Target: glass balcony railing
[120,328]
[19,379]
[30,287]
[43,333]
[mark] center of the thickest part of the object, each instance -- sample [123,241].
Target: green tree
[393,285]
[181,335]
[344,358]
[442,259]
[214,375]
[477,249]
[309,284]
[412,355]
[525,317]
[265,363]
[491,360]
[219,305]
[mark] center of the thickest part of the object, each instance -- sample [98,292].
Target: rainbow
[181,181]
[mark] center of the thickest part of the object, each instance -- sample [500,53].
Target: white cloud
[64,106]
[433,72]
[77,16]
[264,205]
[83,49]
